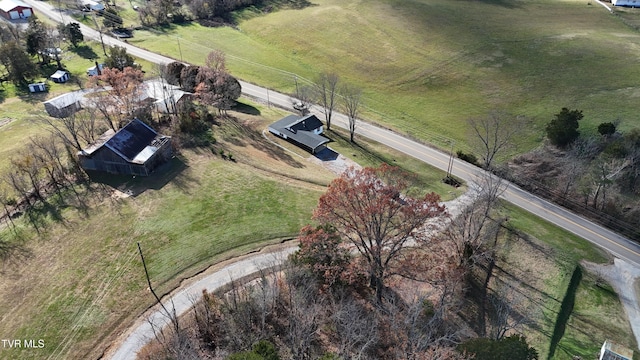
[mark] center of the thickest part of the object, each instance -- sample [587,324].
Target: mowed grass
[429,65]
[84,280]
[543,264]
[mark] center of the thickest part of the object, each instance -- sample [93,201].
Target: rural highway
[619,246]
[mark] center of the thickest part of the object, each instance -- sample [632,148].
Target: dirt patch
[5,121]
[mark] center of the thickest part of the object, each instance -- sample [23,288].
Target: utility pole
[179,48]
[99,32]
[172,317]
[268,103]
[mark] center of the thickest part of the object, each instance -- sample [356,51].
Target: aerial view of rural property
[320,179]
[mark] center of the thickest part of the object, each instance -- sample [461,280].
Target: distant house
[613,351]
[164,97]
[64,105]
[60,76]
[37,87]
[303,131]
[136,149]
[15,9]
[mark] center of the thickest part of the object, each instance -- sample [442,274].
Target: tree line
[592,172]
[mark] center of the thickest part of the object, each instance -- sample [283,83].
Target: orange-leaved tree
[118,94]
[370,207]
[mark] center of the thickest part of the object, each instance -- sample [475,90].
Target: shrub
[606,129]
[470,158]
[563,129]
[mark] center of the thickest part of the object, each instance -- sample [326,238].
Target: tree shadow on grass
[509,4]
[12,253]
[251,137]
[130,185]
[246,109]
[84,51]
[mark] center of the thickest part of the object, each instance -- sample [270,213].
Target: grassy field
[426,66]
[542,264]
[201,210]
[429,65]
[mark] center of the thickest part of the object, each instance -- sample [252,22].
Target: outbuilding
[136,149]
[60,76]
[627,3]
[613,351]
[15,9]
[95,70]
[37,87]
[64,105]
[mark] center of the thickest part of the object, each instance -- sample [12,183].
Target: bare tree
[351,96]
[304,315]
[304,99]
[68,129]
[28,165]
[326,88]
[495,134]
[470,230]
[604,171]
[47,154]
[356,328]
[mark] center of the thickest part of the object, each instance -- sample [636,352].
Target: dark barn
[136,149]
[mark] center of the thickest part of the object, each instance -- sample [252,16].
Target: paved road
[612,242]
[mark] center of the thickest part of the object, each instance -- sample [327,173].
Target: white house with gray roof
[303,131]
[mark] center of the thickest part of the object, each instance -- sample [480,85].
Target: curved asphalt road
[619,246]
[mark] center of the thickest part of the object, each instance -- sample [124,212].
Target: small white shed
[93,71]
[37,87]
[627,3]
[60,76]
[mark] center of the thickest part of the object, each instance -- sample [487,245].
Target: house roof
[295,123]
[161,91]
[300,129]
[8,5]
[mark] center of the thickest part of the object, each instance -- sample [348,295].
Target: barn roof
[65,100]
[131,140]
[8,5]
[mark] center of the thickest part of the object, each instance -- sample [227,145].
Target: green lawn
[429,65]
[544,263]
